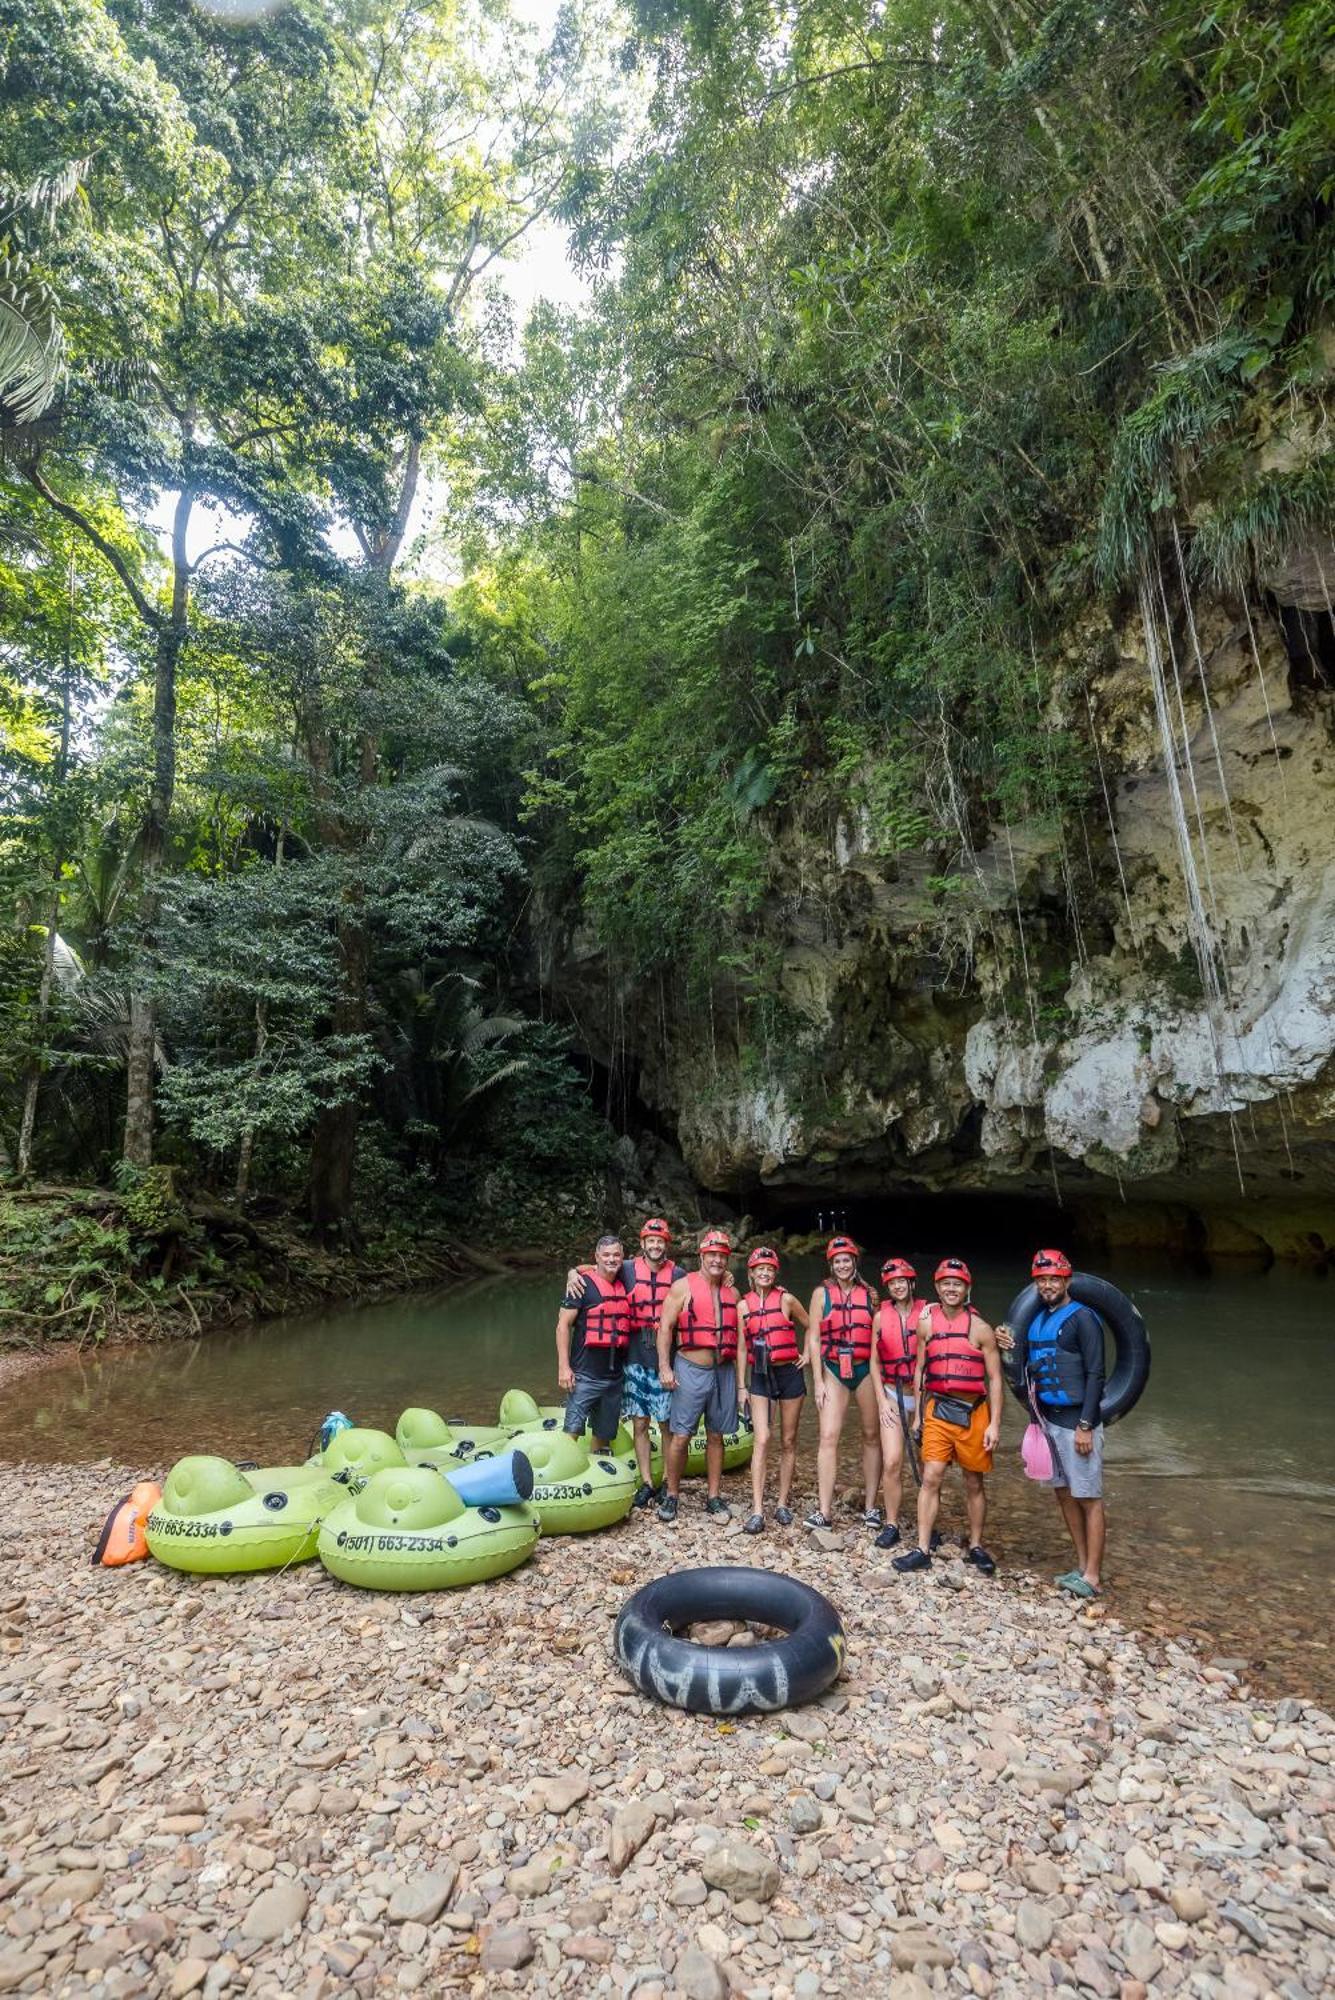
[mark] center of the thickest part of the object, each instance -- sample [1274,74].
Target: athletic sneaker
[936,1541]
[915,1559]
[888,1536]
[643,1495]
[754,1525]
[667,1508]
[980,1559]
[718,1507]
[815,1519]
[783,1517]
[873,1517]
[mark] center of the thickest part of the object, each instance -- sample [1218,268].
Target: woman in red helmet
[840,1334]
[774,1325]
[893,1357]
[959,1389]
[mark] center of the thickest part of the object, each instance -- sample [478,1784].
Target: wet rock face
[1052,1011]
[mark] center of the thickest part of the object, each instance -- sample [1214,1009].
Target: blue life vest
[1045,1371]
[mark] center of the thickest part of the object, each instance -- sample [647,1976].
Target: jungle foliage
[259,860]
[915,329]
[333,628]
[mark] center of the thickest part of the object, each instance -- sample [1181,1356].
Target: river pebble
[277,1785]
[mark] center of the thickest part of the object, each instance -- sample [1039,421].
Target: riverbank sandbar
[278,1785]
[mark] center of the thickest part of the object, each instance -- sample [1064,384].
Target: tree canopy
[911,335]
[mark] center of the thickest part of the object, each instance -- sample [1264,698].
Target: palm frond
[127,377]
[492,1082]
[32,343]
[489,1028]
[36,205]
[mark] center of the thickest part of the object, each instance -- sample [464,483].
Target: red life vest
[954,1365]
[606,1323]
[709,1316]
[897,1339]
[768,1325]
[847,1324]
[652,1284]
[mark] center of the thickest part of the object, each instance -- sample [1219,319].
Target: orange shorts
[947,1444]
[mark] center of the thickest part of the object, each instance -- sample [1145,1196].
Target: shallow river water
[1221,1483]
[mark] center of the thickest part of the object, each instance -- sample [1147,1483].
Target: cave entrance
[982,1221]
[1309,641]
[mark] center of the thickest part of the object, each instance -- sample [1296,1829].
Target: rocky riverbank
[281,1786]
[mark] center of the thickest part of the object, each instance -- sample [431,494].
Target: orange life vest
[897,1339]
[606,1323]
[652,1284]
[769,1328]
[954,1365]
[709,1316]
[122,1539]
[846,1326]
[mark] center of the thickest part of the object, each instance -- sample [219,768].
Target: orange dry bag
[122,1539]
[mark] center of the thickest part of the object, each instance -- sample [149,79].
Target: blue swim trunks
[643,1394]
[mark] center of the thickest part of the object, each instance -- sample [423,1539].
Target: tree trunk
[137,1149]
[34,1077]
[334,1143]
[242,1188]
[1048,126]
[28,1123]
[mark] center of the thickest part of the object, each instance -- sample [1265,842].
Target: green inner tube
[214,1520]
[355,1455]
[574,1490]
[425,1438]
[407,1529]
[518,1407]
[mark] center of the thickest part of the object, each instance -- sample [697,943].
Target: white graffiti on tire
[639,1655]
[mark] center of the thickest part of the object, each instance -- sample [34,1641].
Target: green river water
[1221,1483]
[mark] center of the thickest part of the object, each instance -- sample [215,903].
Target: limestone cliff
[1135,1012]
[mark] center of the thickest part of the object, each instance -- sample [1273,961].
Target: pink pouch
[1036,1453]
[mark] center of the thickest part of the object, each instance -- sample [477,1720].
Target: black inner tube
[729,1680]
[1131,1369]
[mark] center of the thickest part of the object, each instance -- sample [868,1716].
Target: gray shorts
[710,1393]
[596,1402]
[1082,1472]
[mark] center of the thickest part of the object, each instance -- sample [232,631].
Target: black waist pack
[955,1410]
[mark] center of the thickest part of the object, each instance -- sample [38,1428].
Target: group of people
[643,1338]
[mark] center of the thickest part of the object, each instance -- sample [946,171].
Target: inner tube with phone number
[729,1680]
[1131,1368]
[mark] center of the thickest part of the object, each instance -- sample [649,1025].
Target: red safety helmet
[954,1267]
[841,1246]
[899,1267]
[716,1239]
[762,1255]
[1050,1264]
[656,1226]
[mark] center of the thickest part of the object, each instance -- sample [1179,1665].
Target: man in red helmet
[648,1278]
[592,1337]
[958,1390]
[1064,1372]
[701,1315]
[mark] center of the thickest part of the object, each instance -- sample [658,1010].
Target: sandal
[1079,1586]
